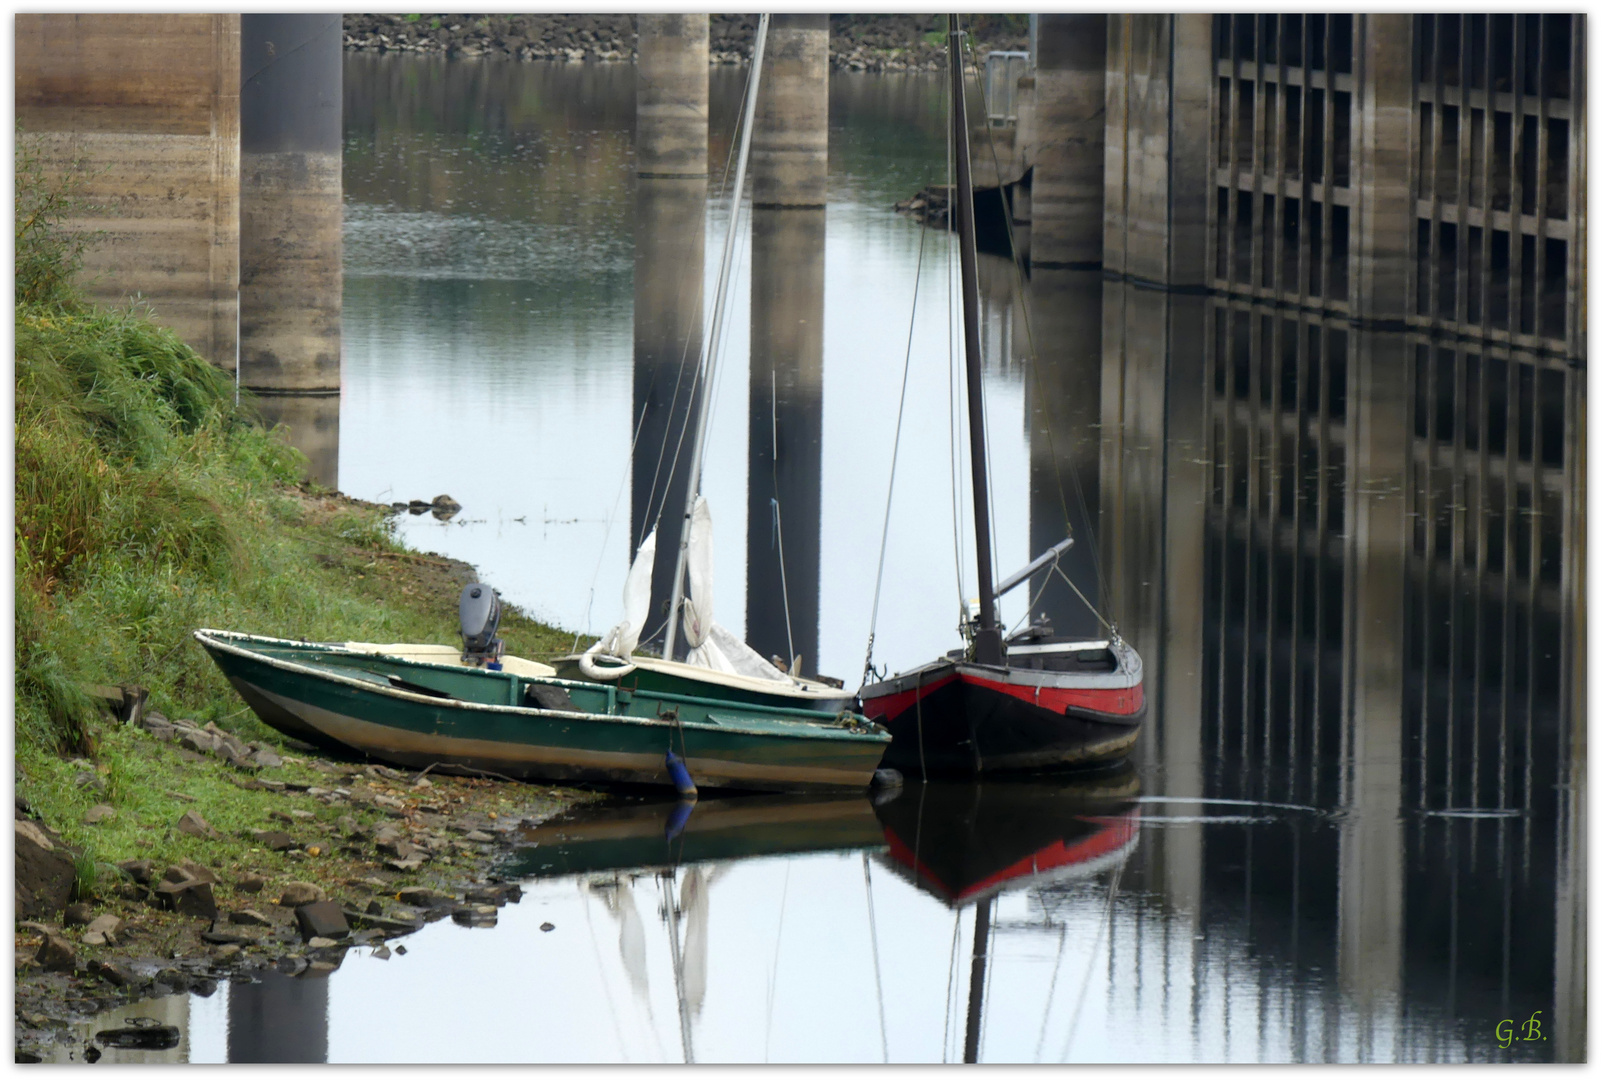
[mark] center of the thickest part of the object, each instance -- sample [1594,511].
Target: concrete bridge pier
[290,216]
[147,106]
[670,190]
[1069,134]
[789,187]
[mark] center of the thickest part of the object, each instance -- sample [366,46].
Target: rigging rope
[700,292]
[953,416]
[708,393]
[873,935]
[1095,947]
[651,518]
[1034,370]
[990,506]
[895,450]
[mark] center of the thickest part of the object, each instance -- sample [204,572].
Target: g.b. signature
[1531,1027]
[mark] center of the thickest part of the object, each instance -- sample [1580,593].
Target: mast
[987,647]
[712,344]
[976,981]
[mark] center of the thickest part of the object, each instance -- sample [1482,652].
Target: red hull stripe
[896,704]
[1118,833]
[1120,702]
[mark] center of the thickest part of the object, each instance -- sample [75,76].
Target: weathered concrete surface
[670,105]
[1069,129]
[1157,129]
[291,277]
[1384,222]
[790,141]
[291,282]
[148,105]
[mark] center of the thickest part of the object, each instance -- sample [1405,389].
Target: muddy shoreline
[389,850]
[302,855]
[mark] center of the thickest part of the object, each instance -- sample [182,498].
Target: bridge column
[290,218]
[1070,121]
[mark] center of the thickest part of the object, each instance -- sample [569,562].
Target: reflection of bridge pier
[1154,473]
[278,1020]
[1372,923]
[669,255]
[1063,404]
[789,181]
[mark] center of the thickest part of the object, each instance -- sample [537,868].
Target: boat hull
[954,718]
[721,747]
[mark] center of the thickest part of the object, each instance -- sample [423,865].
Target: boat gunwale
[1130,674]
[217,639]
[801,689]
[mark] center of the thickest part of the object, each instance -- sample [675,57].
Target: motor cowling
[480,612]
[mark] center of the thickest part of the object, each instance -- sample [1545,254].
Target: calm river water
[1353,831]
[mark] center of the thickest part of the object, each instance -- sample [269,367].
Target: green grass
[147,504]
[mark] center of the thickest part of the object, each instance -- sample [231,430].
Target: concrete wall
[149,105]
[1155,225]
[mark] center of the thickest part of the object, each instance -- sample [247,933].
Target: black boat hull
[959,719]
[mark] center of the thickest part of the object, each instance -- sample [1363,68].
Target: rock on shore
[856,42]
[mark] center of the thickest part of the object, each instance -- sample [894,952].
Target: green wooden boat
[418,710]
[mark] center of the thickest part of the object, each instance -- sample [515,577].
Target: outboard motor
[480,611]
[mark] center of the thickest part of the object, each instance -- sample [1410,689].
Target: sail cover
[711,645]
[621,640]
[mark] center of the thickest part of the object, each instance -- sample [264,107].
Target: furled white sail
[711,645]
[621,640]
[698,605]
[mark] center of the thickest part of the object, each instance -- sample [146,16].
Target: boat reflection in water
[664,835]
[963,844]
[966,844]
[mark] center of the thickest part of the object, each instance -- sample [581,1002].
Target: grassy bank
[148,503]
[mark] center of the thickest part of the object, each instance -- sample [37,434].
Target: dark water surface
[1353,830]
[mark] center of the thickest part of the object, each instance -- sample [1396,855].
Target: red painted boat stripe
[1121,701]
[895,704]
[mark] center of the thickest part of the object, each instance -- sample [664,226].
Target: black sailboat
[1030,702]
